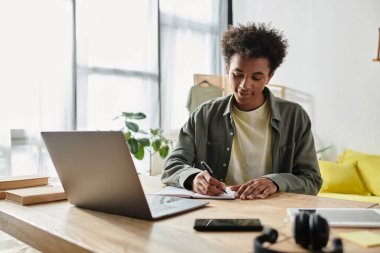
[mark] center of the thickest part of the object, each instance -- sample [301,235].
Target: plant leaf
[156,145]
[138,115]
[127,114]
[133,145]
[132,126]
[127,135]
[154,131]
[164,151]
[140,153]
[144,142]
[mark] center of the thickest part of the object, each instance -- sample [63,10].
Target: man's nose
[245,83]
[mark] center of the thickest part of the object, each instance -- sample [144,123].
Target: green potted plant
[140,141]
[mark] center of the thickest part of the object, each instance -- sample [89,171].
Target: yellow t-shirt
[251,154]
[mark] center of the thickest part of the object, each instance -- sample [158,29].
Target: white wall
[329,67]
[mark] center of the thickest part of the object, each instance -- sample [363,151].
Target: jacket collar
[273,104]
[227,111]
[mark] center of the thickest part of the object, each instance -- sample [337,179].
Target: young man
[253,141]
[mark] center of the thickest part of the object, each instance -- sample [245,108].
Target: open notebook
[183,193]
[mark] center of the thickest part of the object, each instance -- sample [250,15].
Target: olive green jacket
[209,132]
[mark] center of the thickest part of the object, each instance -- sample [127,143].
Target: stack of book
[31,189]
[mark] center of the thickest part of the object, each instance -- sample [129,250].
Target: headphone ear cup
[268,235]
[337,245]
[301,229]
[318,231]
[271,235]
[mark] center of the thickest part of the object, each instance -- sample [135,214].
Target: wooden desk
[61,227]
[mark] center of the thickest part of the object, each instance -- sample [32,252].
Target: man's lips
[244,93]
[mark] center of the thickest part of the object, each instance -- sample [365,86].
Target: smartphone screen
[228,225]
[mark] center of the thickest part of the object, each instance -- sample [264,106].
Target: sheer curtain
[117,68]
[190,44]
[117,60]
[35,80]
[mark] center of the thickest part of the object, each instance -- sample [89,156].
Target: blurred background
[78,64]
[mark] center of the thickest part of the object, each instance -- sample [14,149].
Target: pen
[209,170]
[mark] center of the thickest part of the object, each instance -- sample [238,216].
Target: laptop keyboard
[162,203]
[160,208]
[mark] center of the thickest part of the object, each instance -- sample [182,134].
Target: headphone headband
[311,231]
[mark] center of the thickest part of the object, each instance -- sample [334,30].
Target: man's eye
[238,75]
[256,78]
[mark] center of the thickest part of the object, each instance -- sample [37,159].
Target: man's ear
[270,76]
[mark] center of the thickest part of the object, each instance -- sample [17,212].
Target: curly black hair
[255,40]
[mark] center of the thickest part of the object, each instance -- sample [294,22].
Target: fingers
[244,187]
[258,188]
[205,184]
[215,182]
[235,187]
[264,194]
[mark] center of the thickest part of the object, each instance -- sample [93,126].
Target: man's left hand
[256,188]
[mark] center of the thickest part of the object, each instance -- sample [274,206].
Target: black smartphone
[228,225]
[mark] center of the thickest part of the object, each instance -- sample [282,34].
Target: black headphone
[310,230]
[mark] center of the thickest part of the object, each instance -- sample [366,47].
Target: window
[190,44]
[117,61]
[53,80]
[36,80]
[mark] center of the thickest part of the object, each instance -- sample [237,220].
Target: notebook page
[230,195]
[180,192]
[175,191]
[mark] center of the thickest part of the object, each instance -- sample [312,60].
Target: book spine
[28,200]
[23,183]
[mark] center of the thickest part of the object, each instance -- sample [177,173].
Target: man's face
[248,77]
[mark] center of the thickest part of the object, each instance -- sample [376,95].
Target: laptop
[97,172]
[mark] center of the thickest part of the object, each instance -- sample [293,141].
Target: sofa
[355,176]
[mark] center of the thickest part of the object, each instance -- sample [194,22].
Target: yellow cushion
[368,167]
[341,178]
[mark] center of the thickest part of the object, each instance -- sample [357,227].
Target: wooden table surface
[61,227]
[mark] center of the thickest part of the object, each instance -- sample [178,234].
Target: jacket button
[224,165]
[228,149]
[231,133]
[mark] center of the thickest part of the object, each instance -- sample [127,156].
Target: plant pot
[156,164]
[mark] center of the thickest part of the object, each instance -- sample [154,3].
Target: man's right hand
[205,184]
